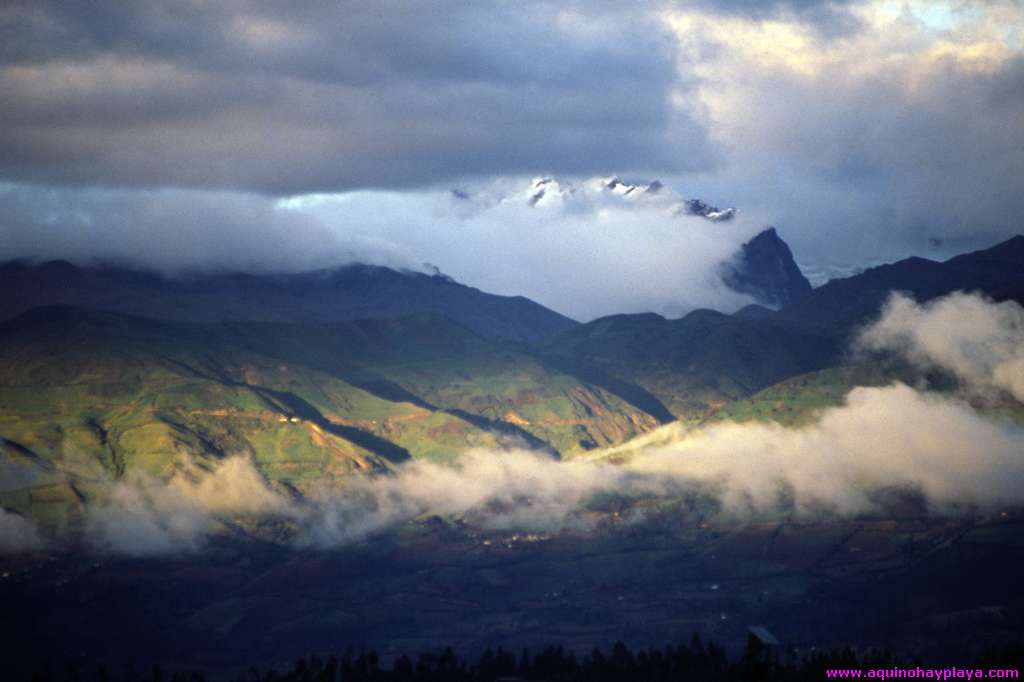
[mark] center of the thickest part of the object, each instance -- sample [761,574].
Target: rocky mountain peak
[764,268]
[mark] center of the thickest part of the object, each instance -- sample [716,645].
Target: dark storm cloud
[901,137]
[289,99]
[865,131]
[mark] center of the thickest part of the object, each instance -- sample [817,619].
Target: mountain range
[108,372]
[343,293]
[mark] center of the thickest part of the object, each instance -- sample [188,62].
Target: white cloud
[177,230]
[891,436]
[588,254]
[583,252]
[144,516]
[979,341]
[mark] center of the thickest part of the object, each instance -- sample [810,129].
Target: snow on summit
[547,191]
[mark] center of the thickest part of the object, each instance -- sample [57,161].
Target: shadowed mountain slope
[840,306]
[695,363]
[344,293]
[698,363]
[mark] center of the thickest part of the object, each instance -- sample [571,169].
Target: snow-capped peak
[616,185]
[699,208]
[547,191]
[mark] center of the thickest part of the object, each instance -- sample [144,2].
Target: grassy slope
[87,397]
[798,400]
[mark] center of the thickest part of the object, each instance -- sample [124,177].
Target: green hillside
[88,397]
[798,400]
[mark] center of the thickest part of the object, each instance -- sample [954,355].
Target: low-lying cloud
[889,438]
[495,490]
[589,254]
[144,516]
[981,342]
[893,436]
[882,438]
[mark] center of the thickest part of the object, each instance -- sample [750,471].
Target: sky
[271,137]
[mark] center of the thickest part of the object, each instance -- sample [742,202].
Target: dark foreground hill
[681,661]
[941,591]
[344,293]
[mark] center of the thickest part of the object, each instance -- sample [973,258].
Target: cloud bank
[977,340]
[515,489]
[580,249]
[333,96]
[145,517]
[177,231]
[562,251]
[865,131]
[881,439]
[891,438]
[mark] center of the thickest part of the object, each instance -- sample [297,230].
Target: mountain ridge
[347,292]
[90,395]
[698,363]
[838,307]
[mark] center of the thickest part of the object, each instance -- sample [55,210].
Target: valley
[940,589]
[343,430]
